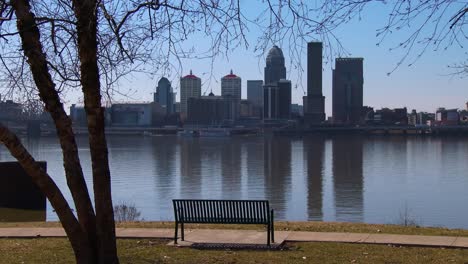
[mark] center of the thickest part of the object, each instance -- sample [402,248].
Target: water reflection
[230,151]
[333,178]
[277,169]
[348,181]
[314,149]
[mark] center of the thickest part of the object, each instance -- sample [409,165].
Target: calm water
[339,178]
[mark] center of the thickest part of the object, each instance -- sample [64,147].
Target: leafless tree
[425,24]
[57,46]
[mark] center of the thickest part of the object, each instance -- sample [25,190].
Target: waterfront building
[211,110]
[255,96]
[231,85]
[297,110]
[246,108]
[78,115]
[413,118]
[367,115]
[255,92]
[284,100]
[190,86]
[274,69]
[276,89]
[132,114]
[348,81]
[464,116]
[165,96]
[10,111]
[315,113]
[386,116]
[425,118]
[447,116]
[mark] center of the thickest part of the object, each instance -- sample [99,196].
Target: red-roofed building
[231,85]
[190,86]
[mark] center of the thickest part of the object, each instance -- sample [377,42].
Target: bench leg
[272,228]
[176,229]
[182,226]
[268,235]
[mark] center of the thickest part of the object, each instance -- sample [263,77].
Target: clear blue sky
[423,86]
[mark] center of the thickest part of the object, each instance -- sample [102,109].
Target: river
[372,179]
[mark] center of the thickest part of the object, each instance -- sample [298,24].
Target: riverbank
[144,250]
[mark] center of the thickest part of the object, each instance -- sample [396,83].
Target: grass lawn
[57,250]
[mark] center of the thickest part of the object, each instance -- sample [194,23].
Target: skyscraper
[284,102]
[347,85]
[231,85]
[315,111]
[275,69]
[255,96]
[190,86]
[165,96]
[276,90]
[255,92]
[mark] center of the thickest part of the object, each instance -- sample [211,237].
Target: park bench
[223,212]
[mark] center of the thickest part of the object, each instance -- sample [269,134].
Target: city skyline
[424,86]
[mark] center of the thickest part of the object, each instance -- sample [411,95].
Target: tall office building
[255,96]
[348,81]
[275,69]
[255,92]
[284,102]
[276,90]
[165,95]
[231,85]
[190,86]
[315,111]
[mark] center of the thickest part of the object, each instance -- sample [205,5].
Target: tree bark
[86,14]
[33,50]
[78,238]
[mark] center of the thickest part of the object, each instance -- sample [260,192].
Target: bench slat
[222,211]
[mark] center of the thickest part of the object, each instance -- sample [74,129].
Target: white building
[231,85]
[190,86]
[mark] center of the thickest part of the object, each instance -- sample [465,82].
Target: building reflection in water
[164,162]
[314,148]
[277,164]
[190,168]
[230,168]
[255,168]
[348,177]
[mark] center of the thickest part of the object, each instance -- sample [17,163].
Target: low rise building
[132,114]
[446,117]
[386,116]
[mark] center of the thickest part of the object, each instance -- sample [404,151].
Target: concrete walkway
[253,237]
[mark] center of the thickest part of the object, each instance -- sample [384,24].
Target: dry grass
[55,250]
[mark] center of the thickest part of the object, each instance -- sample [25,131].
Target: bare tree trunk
[78,239]
[30,37]
[86,14]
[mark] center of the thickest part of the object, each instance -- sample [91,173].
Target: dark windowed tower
[275,69]
[165,96]
[348,84]
[276,89]
[315,111]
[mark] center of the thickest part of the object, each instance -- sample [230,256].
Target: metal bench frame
[188,211]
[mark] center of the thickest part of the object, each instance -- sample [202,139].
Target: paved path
[253,237]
